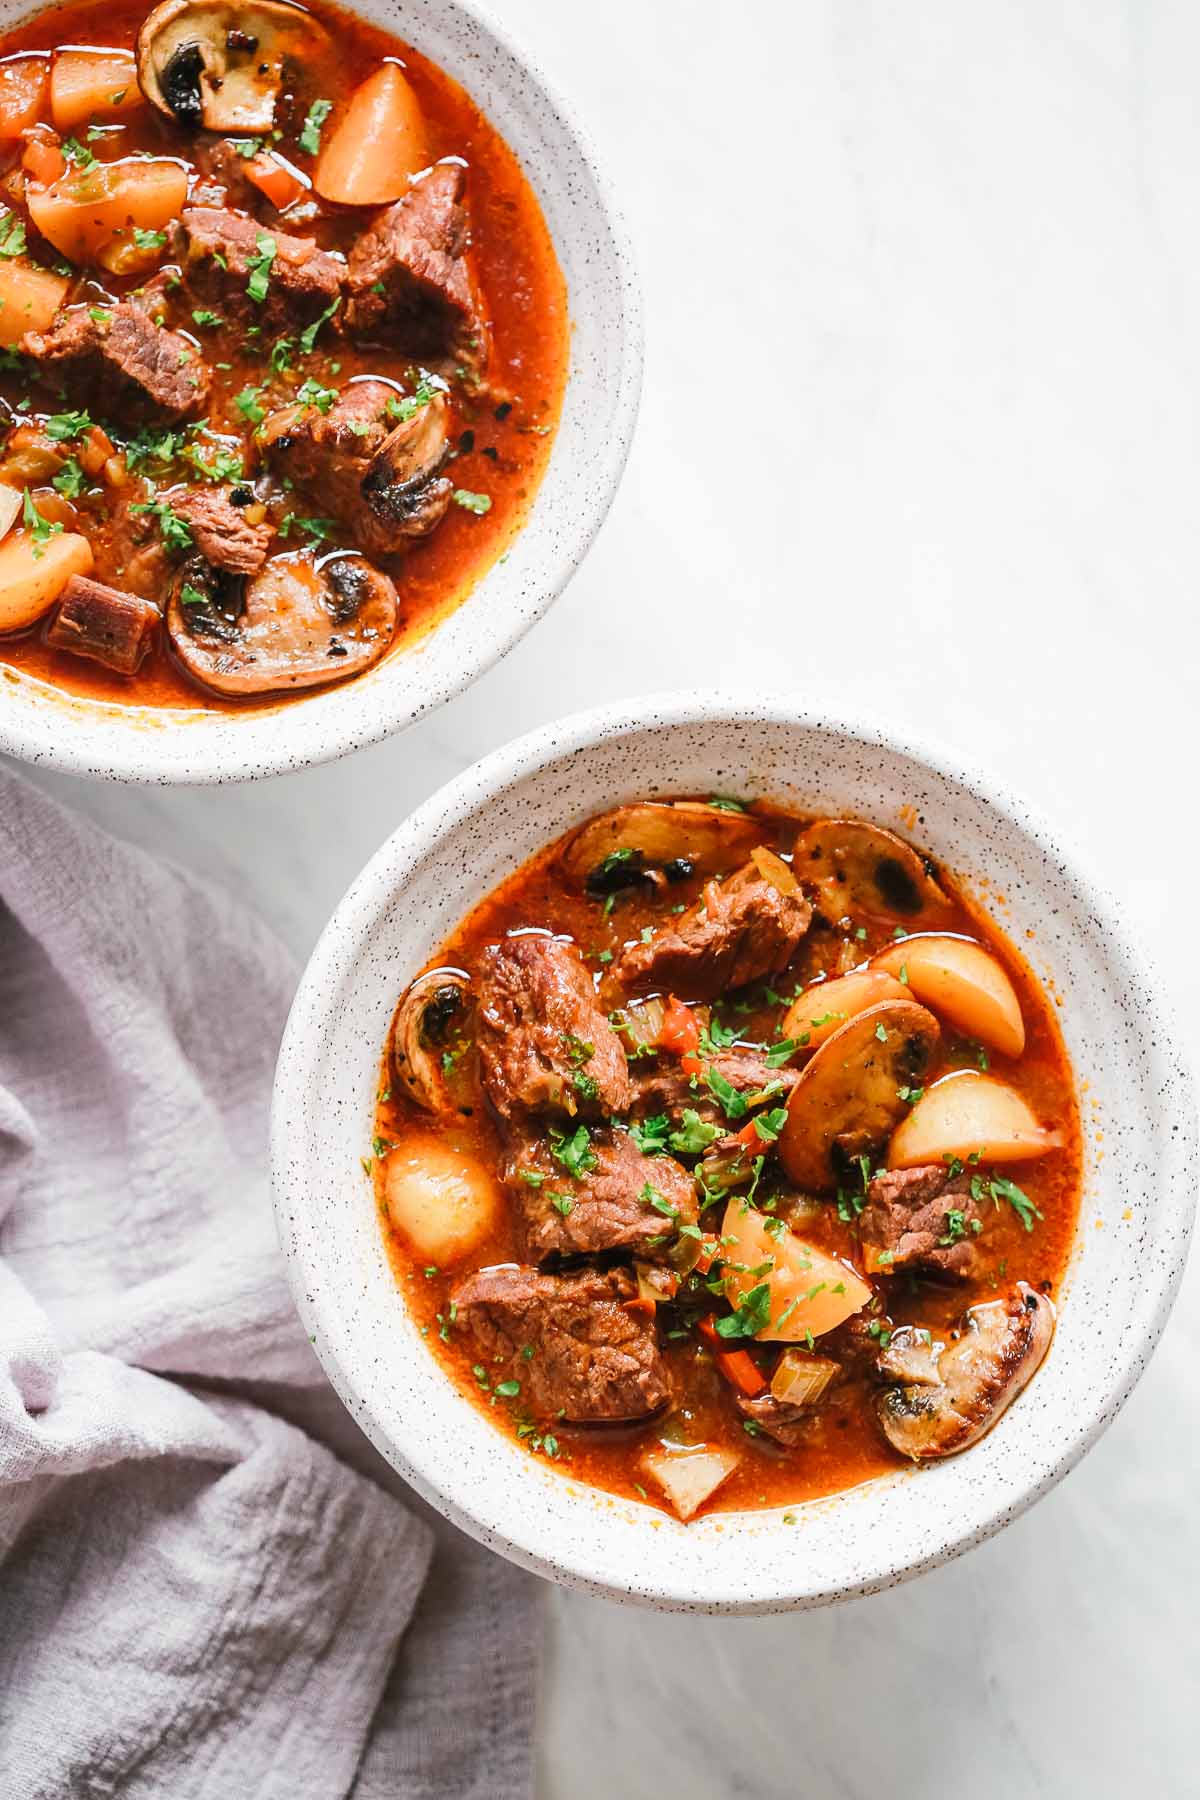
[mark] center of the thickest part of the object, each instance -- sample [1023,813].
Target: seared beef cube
[775,1418]
[924,1221]
[118,354]
[740,930]
[379,477]
[104,625]
[619,1200]
[409,279]
[221,531]
[578,1348]
[230,258]
[545,1044]
[669,1090]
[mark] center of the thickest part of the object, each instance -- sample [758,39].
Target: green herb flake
[472,503]
[310,135]
[259,266]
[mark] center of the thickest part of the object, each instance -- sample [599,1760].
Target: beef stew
[283,345]
[728,1158]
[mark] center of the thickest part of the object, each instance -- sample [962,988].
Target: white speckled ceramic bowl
[1137,1208]
[41,724]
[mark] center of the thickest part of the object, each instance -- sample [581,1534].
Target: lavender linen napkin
[197,1599]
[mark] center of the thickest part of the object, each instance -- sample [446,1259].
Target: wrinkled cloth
[197,1598]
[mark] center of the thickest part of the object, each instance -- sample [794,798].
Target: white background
[919,439]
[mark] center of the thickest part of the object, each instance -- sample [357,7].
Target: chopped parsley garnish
[751,1314]
[310,135]
[259,266]
[308,337]
[652,1134]
[202,317]
[472,503]
[148,240]
[311,393]
[176,533]
[248,404]
[694,1135]
[779,1053]
[62,427]
[40,529]
[78,153]
[575,1153]
[191,596]
[909,1094]
[12,235]
[406,407]
[1022,1205]
[768,1125]
[650,1196]
[562,1203]
[99,315]
[727,803]
[70,480]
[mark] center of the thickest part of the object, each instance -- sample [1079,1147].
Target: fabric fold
[197,1598]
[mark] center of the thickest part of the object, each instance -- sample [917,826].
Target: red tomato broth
[525,298]
[844,1446]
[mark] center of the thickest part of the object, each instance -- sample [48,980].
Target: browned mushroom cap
[296,624]
[220,65]
[429,1019]
[862,868]
[850,1096]
[402,486]
[683,838]
[947,1397]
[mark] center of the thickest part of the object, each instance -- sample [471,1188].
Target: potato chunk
[968,1114]
[442,1201]
[688,1477]
[964,984]
[808,1290]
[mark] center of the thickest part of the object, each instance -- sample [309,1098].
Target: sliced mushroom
[402,486]
[683,838]
[948,1397]
[296,624]
[860,868]
[849,1097]
[220,65]
[427,1019]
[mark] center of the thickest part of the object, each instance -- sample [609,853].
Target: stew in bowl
[284,346]
[504,994]
[730,1157]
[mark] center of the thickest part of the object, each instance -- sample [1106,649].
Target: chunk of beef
[668,1089]
[104,625]
[594,1357]
[620,1200]
[947,1396]
[224,249]
[923,1221]
[775,1418]
[545,1044]
[380,477]
[117,355]
[222,533]
[739,930]
[409,278]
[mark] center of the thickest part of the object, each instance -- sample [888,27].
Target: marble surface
[919,436]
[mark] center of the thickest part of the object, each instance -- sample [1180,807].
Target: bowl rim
[376,887]
[65,744]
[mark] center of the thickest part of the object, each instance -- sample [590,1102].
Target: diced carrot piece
[43,160]
[86,85]
[94,450]
[737,1366]
[377,144]
[272,177]
[29,299]
[89,210]
[22,94]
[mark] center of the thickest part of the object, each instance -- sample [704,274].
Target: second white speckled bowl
[1139,1190]
[46,725]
